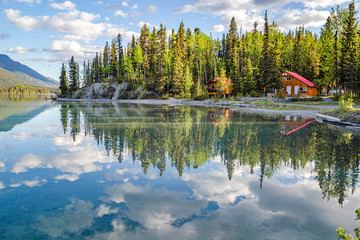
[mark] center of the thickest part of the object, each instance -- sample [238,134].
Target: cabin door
[296,90]
[288,90]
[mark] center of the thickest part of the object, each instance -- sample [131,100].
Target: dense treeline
[190,137]
[185,61]
[22,89]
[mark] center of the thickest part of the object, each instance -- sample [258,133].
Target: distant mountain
[14,73]
[20,109]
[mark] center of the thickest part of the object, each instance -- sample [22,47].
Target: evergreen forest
[22,89]
[182,62]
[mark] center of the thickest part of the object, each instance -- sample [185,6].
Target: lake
[127,171]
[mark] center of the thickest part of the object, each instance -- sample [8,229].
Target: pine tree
[64,88]
[161,61]
[231,44]
[349,50]
[179,56]
[275,53]
[106,61]
[188,82]
[266,60]
[144,41]
[120,56]
[299,52]
[327,55]
[153,60]
[113,61]
[73,75]
[249,82]
[138,62]
[232,54]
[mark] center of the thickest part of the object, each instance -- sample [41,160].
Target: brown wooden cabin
[295,85]
[211,87]
[291,124]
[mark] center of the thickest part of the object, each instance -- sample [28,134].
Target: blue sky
[45,33]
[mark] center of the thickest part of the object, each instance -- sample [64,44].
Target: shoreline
[234,106]
[237,106]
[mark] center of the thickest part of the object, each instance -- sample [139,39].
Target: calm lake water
[122,171]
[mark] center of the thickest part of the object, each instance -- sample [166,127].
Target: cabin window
[213,87]
[303,89]
[284,78]
[288,79]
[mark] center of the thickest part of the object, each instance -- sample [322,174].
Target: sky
[43,34]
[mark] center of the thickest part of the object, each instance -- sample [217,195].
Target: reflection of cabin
[212,87]
[291,124]
[216,115]
[295,85]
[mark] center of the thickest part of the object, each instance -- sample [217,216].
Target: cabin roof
[300,78]
[300,127]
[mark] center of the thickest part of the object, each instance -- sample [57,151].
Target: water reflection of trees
[190,137]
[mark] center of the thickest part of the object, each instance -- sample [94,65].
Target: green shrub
[165,96]
[239,95]
[253,93]
[279,95]
[346,105]
[342,233]
[188,95]
[268,102]
[317,98]
[202,97]
[295,99]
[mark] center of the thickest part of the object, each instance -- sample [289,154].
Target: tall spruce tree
[232,54]
[349,51]
[179,56]
[120,56]
[162,60]
[266,60]
[113,61]
[144,41]
[73,75]
[327,55]
[64,88]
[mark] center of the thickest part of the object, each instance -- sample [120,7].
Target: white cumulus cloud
[322,3]
[308,18]
[26,23]
[217,28]
[67,5]
[19,50]
[75,24]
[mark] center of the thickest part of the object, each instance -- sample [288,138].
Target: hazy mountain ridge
[14,73]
